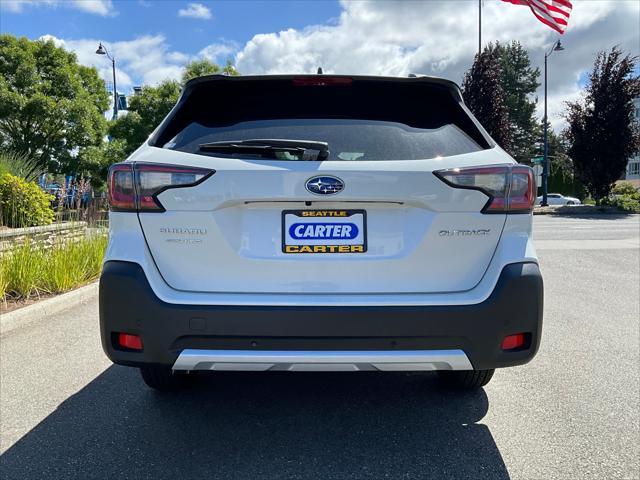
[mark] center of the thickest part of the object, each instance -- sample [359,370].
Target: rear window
[362,120]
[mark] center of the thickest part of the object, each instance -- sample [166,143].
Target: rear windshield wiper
[268,147]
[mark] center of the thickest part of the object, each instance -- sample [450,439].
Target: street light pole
[115,90]
[102,50]
[557,47]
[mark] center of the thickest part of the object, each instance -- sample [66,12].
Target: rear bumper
[331,338]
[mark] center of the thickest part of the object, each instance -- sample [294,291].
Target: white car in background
[559,199]
[320,223]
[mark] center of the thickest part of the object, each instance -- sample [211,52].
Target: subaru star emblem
[324,185]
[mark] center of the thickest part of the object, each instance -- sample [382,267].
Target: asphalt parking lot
[573,412]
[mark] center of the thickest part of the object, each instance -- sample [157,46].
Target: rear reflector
[512,342]
[135,186]
[130,341]
[510,188]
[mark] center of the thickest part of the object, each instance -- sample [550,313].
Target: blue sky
[233,21]
[153,40]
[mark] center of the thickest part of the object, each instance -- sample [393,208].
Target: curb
[40,310]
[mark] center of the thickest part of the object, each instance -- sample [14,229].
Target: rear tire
[465,379]
[162,379]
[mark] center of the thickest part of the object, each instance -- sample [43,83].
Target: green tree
[94,162]
[602,133]
[519,81]
[483,93]
[149,107]
[198,68]
[50,106]
[230,69]
[146,110]
[562,177]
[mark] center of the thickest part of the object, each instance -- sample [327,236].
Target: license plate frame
[326,217]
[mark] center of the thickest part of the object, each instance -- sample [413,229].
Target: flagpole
[479,26]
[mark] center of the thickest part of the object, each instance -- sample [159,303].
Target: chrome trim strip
[325,361]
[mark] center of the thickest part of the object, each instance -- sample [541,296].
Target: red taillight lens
[122,194]
[513,342]
[510,188]
[136,185]
[130,341]
[522,194]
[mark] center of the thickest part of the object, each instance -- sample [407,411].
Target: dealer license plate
[324,231]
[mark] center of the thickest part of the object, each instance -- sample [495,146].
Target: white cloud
[393,38]
[195,10]
[18,6]
[97,7]
[146,60]
[219,52]
[440,38]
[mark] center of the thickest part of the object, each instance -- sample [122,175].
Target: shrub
[20,165]
[23,204]
[625,188]
[625,197]
[627,203]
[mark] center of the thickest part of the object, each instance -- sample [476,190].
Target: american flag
[553,13]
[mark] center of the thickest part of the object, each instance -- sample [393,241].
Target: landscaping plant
[23,204]
[626,197]
[72,264]
[4,281]
[31,269]
[20,165]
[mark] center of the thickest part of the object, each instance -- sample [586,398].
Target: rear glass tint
[363,120]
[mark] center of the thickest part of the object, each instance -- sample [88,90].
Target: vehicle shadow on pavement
[257,425]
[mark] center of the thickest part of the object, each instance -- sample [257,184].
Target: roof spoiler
[448,84]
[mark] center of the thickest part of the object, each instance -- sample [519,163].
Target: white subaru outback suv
[320,223]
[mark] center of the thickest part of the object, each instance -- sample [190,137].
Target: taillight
[122,193]
[522,194]
[135,186]
[510,188]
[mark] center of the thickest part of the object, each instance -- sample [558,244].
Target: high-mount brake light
[510,188]
[136,186]
[322,81]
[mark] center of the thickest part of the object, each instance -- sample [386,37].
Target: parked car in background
[559,199]
[320,223]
